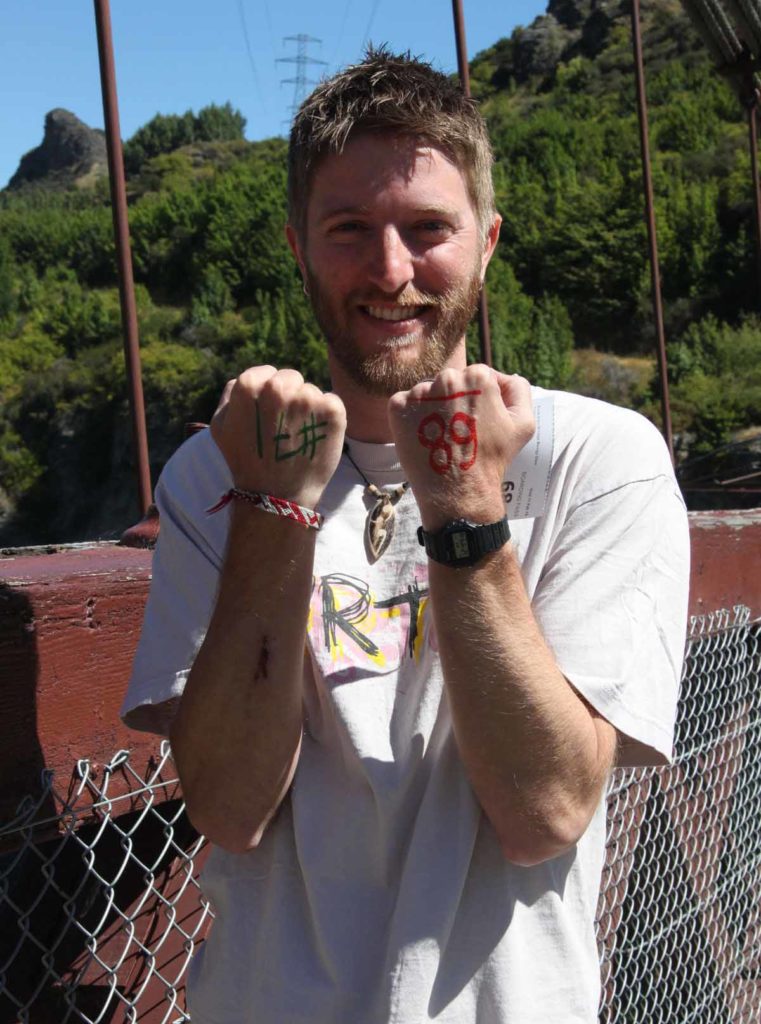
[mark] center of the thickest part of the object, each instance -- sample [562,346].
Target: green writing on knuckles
[309,434]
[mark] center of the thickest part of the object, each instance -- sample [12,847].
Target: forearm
[537,756]
[237,732]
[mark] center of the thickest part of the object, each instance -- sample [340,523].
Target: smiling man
[393,709]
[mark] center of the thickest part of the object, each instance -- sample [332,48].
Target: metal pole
[484,332]
[124,256]
[753,140]
[462,50]
[651,232]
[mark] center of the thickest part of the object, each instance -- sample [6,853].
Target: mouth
[394,314]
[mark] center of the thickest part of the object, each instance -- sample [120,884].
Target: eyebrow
[354,211]
[343,211]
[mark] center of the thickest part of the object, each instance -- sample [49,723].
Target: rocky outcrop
[539,47]
[569,28]
[570,14]
[71,154]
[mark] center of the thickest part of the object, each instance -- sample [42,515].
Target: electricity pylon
[301,60]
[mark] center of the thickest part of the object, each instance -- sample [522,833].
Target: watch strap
[461,543]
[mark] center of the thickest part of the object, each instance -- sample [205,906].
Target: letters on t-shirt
[353,626]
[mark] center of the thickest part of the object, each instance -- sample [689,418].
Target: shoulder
[194,477]
[599,447]
[192,481]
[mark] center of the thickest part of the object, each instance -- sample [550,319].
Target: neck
[367,414]
[367,419]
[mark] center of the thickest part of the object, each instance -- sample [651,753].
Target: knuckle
[447,377]
[479,373]
[250,381]
[289,376]
[416,392]
[311,393]
[396,404]
[334,406]
[283,384]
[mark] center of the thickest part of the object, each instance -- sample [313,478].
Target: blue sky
[172,55]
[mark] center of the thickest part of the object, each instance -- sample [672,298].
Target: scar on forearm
[263,663]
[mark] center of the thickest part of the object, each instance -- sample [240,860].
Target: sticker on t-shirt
[527,479]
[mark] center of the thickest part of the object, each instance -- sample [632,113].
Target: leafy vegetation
[217,290]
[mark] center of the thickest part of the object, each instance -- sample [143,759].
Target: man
[399,743]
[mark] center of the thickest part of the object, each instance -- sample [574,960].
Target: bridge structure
[100,906]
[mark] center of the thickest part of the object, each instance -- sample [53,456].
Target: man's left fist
[456,435]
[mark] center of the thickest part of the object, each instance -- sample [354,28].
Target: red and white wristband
[269,503]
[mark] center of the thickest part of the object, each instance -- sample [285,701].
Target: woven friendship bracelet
[269,503]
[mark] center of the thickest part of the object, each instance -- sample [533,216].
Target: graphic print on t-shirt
[351,625]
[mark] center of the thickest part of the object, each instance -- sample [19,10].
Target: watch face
[460,545]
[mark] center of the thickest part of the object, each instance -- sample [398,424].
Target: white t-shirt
[379,893]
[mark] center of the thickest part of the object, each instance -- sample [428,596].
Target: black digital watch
[462,543]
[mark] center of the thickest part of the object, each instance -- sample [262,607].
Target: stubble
[384,373]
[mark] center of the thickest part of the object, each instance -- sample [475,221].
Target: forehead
[374,169]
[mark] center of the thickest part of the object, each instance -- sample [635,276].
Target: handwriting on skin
[439,435]
[308,432]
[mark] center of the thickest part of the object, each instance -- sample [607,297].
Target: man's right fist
[279,434]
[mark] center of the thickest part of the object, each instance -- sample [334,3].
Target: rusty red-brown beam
[753,142]
[123,251]
[484,332]
[647,180]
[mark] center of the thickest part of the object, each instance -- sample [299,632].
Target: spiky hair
[401,95]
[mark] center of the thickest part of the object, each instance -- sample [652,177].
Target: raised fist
[456,435]
[279,434]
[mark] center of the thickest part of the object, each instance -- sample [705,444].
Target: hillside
[217,288]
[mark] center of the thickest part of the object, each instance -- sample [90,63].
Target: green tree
[167,132]
[215,123]
[7,293]
[161,134]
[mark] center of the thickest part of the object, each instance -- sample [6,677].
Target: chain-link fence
[100,909]
[679,917]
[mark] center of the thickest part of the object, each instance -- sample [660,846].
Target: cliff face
[71,153]
[576,28]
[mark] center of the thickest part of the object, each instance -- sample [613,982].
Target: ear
[492,237]
[295,247]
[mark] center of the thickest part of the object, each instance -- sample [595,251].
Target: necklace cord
[377,492]
[379,525]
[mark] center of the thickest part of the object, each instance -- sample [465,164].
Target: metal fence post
[651,230]
[123,253]
[484,332]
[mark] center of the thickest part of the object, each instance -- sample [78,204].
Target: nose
[390,264]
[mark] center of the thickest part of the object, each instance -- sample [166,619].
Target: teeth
[397,313]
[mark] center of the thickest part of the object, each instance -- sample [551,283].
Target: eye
[346,227]
[433,229]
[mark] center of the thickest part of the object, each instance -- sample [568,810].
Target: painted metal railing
[101,911]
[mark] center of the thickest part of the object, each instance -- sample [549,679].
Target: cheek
[460,261]
[337,272]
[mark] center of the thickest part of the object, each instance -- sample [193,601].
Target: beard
[384,373]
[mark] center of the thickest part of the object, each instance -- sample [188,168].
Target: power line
[341,32]
[249,51]
[373,12]
[269,26]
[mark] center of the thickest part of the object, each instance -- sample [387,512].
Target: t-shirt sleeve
[186,565]
[612,604]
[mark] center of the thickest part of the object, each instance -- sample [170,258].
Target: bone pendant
[380,527]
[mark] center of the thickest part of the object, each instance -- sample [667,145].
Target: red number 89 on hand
[438,436]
